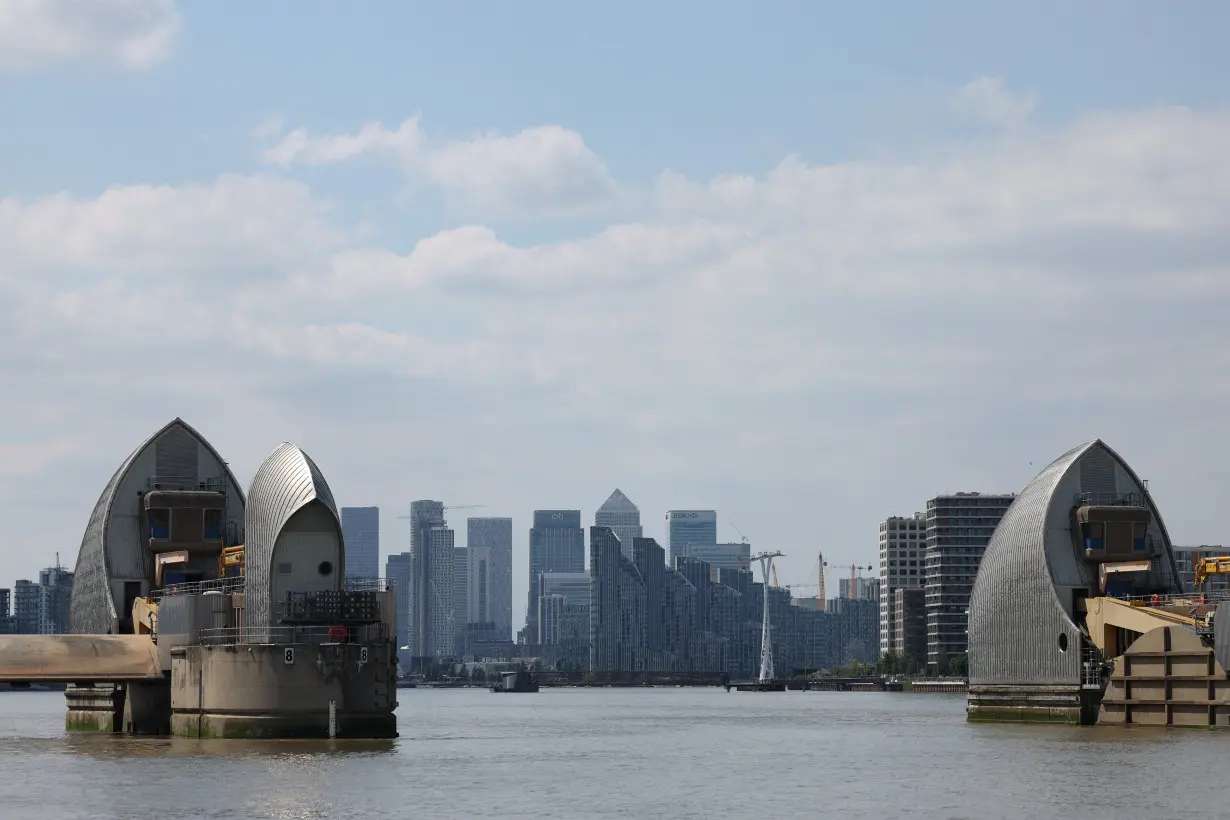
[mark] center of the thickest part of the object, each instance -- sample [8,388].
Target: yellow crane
[231,559]
[1204,567]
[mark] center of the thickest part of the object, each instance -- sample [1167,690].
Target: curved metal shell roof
[1022,596]
[106,553]
[287,482]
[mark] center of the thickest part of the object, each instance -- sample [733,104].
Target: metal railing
[1178,599]
[289,635]
[224,585]
[368,584]
[184,482]
[1110,500]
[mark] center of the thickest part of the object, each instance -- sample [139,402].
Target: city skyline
[710,262]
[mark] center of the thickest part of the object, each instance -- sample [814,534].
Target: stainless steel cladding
[114,562]
[288,482]
[1022,623]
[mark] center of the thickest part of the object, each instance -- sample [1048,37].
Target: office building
[903,551]
[557,544]
[689,530]
[397,574]
[1185,557]
[732,556]
[433,565]
[573,586]
[361,537]
[490,544]
[622,517]
[959,526]
[6,617]
[461,597]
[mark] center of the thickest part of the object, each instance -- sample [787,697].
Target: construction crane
[855,571]
[818,586]
[1204,567]
[736,529]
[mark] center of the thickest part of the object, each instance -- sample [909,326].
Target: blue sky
[792,260]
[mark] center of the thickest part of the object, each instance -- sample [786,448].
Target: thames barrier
[1078,615]
[199,612]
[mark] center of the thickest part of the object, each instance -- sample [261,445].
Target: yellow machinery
[230,562]
[1204,567]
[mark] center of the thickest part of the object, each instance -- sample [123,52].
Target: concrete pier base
[301,725]
[94,707]
[1030,704]
[147,708]
[283,691]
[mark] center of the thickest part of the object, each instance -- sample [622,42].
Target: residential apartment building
[958,529]
[903,547]
[909,640]
[1185,557]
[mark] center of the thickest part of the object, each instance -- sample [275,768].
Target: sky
[804,263]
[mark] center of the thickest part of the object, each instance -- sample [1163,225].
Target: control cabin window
[213,524]
[160,523]
[1092,533]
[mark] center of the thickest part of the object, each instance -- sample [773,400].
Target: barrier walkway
[1104,616]
[78,659]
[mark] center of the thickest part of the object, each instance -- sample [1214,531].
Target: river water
[627,753]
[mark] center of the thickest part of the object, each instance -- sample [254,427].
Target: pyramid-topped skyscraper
[623,517]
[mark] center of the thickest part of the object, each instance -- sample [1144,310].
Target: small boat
[516,682]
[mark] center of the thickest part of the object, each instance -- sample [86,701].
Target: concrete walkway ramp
[77,658]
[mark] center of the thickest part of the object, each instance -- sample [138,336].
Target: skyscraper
[958,529]
[461,597]
[361,535]
[397,573]
[432,565]
[903,547]
[490,544]
[557,544]
[6,620]
[622,517]
[689,529]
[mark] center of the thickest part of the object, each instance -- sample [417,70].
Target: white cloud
[860,331]
[234,224]
[989,100]
[545,169]
[134,33]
